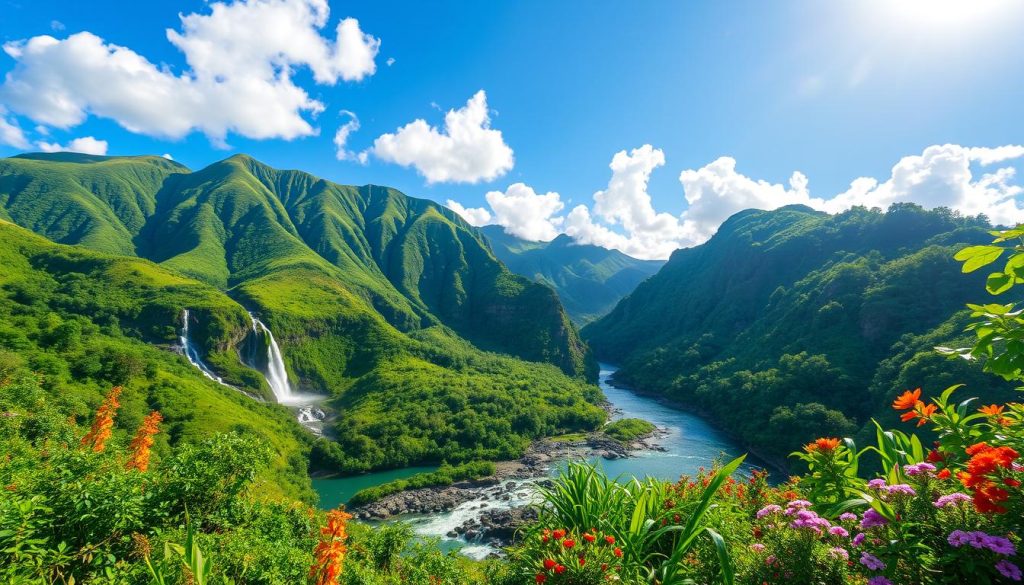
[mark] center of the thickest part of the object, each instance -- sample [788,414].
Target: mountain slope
[589,279]
[357,283]
[85,321]
[786,324]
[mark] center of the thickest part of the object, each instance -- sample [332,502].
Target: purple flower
[798,505]
[918,468]
[859,539]
[900,489]
[1000,545]
[958,538]
[879,580]
[770,560]
[1008,570]
[876,484]
[809,519]
[839,531]
[848,517]
[977,539]
[757,547]
[769,509]
[951,499]
[872,518]
[839,552]
[871,561]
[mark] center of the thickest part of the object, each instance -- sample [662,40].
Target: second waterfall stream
[276,373]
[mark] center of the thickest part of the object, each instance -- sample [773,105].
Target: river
[688,442]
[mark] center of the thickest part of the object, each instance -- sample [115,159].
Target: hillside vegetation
[589,279]
[395,307]
[793,324]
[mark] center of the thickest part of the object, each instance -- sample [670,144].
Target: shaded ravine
[684,443]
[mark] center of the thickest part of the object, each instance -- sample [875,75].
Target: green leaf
[998,283]
[974,257]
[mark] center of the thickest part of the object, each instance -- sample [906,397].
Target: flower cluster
[329,555]
[143,442]
[988,474]
[103,426]
[562,557]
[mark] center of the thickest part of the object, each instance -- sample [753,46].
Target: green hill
[373,297]
[589,279]
[793,324]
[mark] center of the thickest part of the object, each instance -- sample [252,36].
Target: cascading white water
[276,374]
[192,354]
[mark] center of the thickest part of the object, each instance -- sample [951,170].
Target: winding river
[688,443]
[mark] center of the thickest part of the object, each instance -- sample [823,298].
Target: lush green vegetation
[85,322]
[429,348]
[589,279]
[793,324]
[628,429]
[199,514]
[446,475]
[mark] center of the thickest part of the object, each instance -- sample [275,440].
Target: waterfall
[192,353]
[276,374]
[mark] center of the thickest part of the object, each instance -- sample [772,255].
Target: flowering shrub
[560,556]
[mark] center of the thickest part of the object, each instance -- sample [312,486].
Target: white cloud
[623,216]
[716,191]
[466,150]
[477,216]
[57,25]
[11,134]
[241,57]
[85,145]
[167,155]
[390,61]
[341,139]
[526,214]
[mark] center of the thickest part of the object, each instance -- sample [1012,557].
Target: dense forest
[793,324]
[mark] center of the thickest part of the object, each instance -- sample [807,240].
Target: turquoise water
[336,491]
[689,441]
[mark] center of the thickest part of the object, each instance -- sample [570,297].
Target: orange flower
[991,410]
[907,400]
[330,551]
[924,412]
[102,427]
[143,442]
[825,444]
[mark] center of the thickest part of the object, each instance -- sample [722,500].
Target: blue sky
[835,90]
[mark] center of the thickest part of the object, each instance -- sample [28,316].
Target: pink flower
[838,531]
[757,547]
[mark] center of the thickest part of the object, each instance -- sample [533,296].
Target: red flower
[583,561]
[936,456]
[569,543]
[549,564]
[540,578]
[618,552]
[558,534]
[944,474]
[907,400]
[604,566]
[559,569]
[589,537]
[609,539]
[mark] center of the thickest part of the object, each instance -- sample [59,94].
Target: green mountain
[429,346]
[793,324]
[589,279]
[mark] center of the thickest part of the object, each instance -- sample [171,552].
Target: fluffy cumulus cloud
[85,145]
[240,57]
[967,179]
[465,150]
[477,216]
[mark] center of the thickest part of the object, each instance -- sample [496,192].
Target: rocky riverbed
[495,507]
